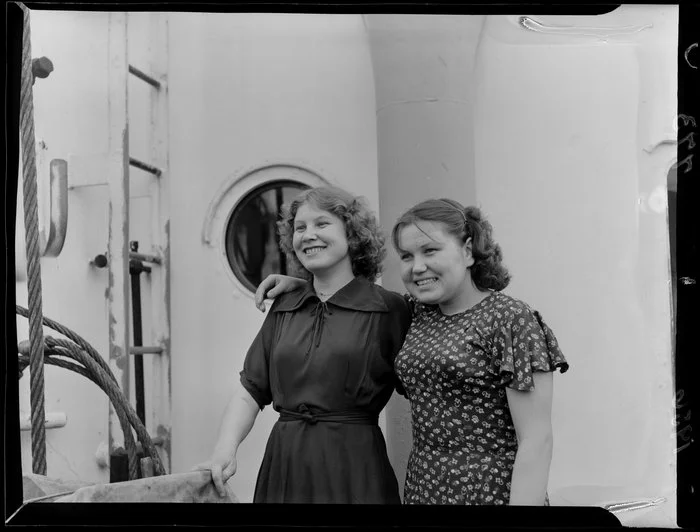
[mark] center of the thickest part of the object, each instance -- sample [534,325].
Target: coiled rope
[92,366]
[31,224]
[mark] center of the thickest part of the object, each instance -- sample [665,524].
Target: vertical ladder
[160,230]
[118,252]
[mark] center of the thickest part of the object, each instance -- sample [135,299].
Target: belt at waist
[356,417]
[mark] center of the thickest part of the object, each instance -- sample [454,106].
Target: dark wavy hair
[487,272]
[365,239]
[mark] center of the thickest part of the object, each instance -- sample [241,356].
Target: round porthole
[251,239]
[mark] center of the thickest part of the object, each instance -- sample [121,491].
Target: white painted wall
[561,128]
[246,91]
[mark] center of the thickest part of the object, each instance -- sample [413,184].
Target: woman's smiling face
[319,240]
[434,263]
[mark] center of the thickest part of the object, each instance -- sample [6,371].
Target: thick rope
[113,392]
[95,356]
[120,404]
[107,372]
[68,333]
[95,370]
[31,224]
[50,355]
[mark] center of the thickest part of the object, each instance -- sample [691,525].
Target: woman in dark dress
[324,359]
[476,365]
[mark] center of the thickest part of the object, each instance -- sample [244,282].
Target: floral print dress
[454,371]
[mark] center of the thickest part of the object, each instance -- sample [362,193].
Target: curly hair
[365,239]
[487,272]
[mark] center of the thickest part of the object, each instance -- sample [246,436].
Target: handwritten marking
[682,433]
[689,138]
[687,52]
[688,160]
[686,120]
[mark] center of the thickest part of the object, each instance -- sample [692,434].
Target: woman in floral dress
[476,366]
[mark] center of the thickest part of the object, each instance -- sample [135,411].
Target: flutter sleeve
[522,345]
[255,376]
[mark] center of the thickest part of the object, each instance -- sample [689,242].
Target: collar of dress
[359,294]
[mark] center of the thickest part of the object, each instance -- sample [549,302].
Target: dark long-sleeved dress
[327,367]
[455,370]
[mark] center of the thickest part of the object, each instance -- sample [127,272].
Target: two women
[476,366]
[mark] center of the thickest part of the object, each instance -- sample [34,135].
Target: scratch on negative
[423,100]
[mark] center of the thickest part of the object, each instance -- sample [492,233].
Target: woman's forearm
[239,417]
[531,472]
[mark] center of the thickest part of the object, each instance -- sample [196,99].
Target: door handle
[52,244]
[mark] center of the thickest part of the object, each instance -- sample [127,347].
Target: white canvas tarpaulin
[193,487]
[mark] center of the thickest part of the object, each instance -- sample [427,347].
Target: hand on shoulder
[275,285]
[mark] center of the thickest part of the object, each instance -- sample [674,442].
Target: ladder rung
[145,166]
[145,258]
[139,350]
[145,77]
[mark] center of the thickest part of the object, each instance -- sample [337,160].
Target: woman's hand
[222,466]
[239,417]
[275,285]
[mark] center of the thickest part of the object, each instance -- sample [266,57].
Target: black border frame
[254,516]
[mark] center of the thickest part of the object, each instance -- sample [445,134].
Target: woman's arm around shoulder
[275,285]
